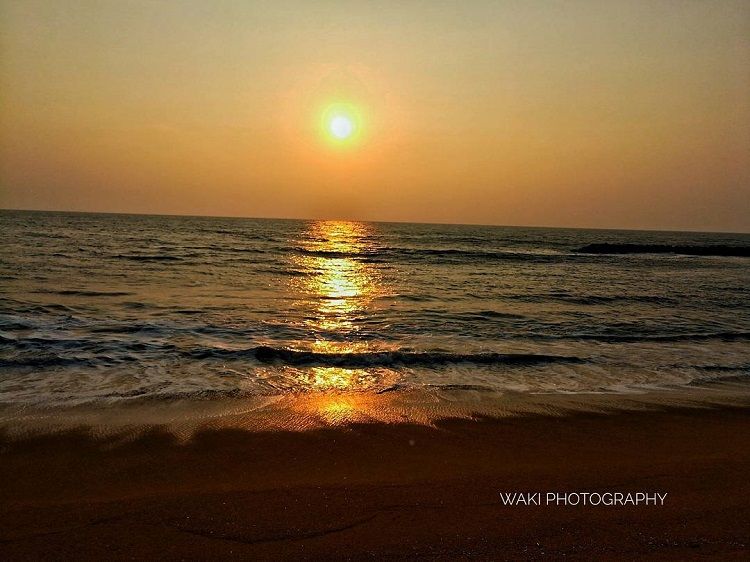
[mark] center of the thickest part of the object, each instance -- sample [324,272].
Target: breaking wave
[275,355]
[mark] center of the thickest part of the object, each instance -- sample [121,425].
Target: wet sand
[376,490]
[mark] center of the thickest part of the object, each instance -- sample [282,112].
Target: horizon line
[243,217]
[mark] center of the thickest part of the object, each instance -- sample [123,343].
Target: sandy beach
[368,490]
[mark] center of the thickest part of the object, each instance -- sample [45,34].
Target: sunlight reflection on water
[339,290]
[125,309]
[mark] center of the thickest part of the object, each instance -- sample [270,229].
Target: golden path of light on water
[340,290]
[342,285]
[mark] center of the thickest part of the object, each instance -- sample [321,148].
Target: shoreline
[306,411]
[404,490]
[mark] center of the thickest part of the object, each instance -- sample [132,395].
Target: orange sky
[594,114]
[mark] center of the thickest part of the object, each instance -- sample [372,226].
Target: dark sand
[385,490]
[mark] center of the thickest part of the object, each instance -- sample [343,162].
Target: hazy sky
[599,113]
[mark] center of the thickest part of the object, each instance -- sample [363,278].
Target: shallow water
[105,308]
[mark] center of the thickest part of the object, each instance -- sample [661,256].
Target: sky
[603,114]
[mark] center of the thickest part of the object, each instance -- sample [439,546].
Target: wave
[592,299]
[83,293]
[55,360]
[334,254]
[283,271]
[493,314]
[141,257]
[274,355]
[124,328]
[98,345]
[14,325]
[385,254]
[607,299]
[723,368]
[624,338]
[48,308]
[692,250]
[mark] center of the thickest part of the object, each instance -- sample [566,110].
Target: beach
[377,490]
[207,388]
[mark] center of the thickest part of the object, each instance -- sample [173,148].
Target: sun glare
[342,124]
[341,127]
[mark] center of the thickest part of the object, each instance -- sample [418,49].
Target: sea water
[109,308]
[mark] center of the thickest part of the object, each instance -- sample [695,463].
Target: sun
[342,124]
[341,127]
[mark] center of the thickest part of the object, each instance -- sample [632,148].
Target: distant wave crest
[385,254]
[625,338]
[691,250]
[142,257]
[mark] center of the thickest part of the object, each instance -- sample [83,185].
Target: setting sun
[341,127]
[342,123]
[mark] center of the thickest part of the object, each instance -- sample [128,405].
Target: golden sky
[632,114]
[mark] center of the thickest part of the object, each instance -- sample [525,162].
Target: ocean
[104,309]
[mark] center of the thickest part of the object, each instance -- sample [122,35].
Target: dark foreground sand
[379,490]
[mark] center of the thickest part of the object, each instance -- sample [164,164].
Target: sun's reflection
[338,411]
[341,409]
[336,295]
[342,284]
[332,377]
